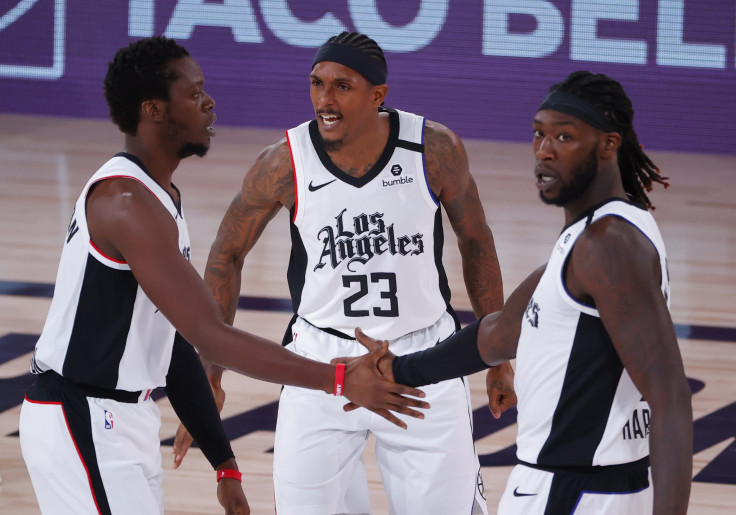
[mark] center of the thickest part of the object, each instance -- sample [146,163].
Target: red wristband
[339,379]
[233,474]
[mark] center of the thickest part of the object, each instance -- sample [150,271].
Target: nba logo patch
[108,419]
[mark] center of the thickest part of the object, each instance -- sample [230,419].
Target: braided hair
[137,73]
[638,172]
[360,42]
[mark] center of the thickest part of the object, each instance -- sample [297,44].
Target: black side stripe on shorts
[76,413]
[80,426]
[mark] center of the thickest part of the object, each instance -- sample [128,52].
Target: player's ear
[379,94]
[610,144]
[152,110]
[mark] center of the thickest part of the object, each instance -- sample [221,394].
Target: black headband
[369,67]
[580,109]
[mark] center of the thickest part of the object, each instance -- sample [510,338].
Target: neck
[358,155]
[159,161]
[606,185]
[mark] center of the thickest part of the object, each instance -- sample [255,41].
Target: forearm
[482,273]
[670,444]
[262,359]
[222,275]
[213,371]
[191,398]
[231,464]
[457,356]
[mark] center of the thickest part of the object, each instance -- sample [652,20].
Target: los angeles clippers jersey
[102,330]
[577,404]
[366,251]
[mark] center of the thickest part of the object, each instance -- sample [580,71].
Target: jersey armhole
[428,194]
[565,293]
[93,250]
[294,212]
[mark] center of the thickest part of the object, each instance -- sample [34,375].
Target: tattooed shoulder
[272,176]
[443,157]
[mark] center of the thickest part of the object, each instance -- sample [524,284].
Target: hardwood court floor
[44,162]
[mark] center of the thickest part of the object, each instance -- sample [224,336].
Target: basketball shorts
[431,468]
[89,455]
[612,490]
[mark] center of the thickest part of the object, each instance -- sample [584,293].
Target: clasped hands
[499,383]
[369,383]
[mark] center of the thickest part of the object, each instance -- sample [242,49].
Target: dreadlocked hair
[360,42]
[638,172]
[137,73]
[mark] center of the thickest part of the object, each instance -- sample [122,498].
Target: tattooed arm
[268,185]
[451,182]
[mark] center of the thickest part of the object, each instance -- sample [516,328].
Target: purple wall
[481,67]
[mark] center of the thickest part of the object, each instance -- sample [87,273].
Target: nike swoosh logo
[518,494]
[315,188]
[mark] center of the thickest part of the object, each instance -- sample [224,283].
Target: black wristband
[457,356]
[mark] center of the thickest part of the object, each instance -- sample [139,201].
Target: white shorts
[88,455]
[431,468]
[614,490]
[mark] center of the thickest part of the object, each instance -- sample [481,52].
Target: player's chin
[332,142]
[194,149]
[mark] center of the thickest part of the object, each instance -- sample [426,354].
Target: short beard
[178,131]
[192,149]
[332,146]
[582,178]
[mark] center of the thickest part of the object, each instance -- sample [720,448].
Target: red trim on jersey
[117,177]
[41,402]
[296,191]
[105,255]
[86,470]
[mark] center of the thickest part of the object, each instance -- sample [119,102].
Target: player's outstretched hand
[366,387]
[500,388]
[183,440]
[232,498]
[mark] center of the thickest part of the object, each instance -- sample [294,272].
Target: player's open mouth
[544,179]
[330,120]
[210,129]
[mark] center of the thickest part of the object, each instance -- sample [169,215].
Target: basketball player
[88,427]
[364,186]
[598,365]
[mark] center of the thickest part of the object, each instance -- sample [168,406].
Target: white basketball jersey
[102,330]
[577,404]
[366,251]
